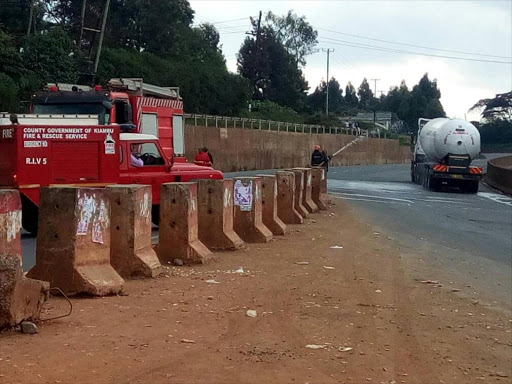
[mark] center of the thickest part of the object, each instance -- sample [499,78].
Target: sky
[481,28]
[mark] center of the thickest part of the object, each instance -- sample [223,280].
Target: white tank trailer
[443,151]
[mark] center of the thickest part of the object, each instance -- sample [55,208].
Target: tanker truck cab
[443,152]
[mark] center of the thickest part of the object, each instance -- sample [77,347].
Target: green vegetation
[268,110]
[496,127]
[157,40]
[151,39]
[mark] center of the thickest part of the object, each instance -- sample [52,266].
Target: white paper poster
[243,195]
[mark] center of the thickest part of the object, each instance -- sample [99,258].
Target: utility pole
[30,17]
[374,111]
[257,53]
[328,50]
[375,88]
[102,34]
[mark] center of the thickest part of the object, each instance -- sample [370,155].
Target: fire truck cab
[91,137]
[129,102]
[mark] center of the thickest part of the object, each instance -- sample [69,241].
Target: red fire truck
[129,134]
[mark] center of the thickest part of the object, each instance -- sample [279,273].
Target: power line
[345,61]
[225,27]
[231,32]
[229,21]
[384,49]
[413,45]
[231,26]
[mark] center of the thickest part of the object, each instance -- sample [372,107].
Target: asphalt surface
[468,237]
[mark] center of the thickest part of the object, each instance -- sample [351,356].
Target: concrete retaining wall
[499,173]
[237,149]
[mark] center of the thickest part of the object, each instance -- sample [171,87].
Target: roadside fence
[269,125]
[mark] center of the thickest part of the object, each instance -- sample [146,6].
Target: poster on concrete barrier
[243,195]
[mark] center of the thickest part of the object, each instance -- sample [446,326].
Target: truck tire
[472,186]
[433,184]
[29,215]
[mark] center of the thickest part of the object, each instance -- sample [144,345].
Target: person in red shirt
[202,158]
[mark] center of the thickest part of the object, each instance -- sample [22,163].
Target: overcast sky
[477,27]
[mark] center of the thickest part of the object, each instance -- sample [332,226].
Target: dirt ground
[367,306]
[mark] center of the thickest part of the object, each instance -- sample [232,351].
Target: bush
[268,110]
[8,94]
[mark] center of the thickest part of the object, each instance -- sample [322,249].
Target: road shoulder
[365,311]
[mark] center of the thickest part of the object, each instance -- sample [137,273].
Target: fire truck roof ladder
[137,85]
[89,43]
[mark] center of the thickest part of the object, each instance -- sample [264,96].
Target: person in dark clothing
[325,161]
[209,154]
[317,158]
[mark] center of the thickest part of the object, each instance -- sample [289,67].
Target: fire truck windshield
[74,109]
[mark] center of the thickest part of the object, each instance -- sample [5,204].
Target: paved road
[468,236]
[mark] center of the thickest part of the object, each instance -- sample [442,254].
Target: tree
[15,16]
[496,127]
[153,39]
[272,71]
[350,95]
[425,102]
[295,33]
[50,55]
[365,95]
[155,26]
[497,108]
[8,93]
[10,59]
[316,101]
[14,77]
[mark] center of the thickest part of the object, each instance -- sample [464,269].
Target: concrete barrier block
[269,204]
[73,242]
[286,198]
[307,200]
[248,221]
[20,298]
[319,187]
[131,253]
[299,191]
[215,210]
[178,235]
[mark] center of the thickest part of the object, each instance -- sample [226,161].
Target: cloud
[471,26]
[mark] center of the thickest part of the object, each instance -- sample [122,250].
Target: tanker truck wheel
[472,186]
[434,184]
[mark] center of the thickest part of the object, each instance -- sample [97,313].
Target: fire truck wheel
[30,214]
[155,214]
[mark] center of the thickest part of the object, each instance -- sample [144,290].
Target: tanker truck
[442,155]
